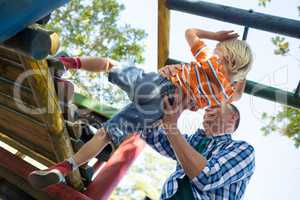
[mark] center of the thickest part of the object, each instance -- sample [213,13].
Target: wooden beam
[163,33]
[16,104]
[44,93]
[11,71]
[24,127]
[27,151]
[23,184]
[34,42]
[22,169]
[9,54]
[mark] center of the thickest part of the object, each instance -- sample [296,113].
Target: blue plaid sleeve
[158,140]
[232,165]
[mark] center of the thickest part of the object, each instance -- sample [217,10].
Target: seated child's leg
[137,116]
[43,178]
[131,119]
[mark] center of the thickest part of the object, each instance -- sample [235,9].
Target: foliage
[263,2]
[282,46]
[145,177]
[286,122]
[92,28]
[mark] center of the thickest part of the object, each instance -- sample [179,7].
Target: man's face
[218,120]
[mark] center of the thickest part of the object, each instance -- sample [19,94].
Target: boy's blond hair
[239,57]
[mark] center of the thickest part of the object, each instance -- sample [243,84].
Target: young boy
[210,81]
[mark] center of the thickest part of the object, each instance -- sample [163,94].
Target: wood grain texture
[25,128]
[163,33]
[40,157]
[45,96]
[21,107]
[17,91]
[12,71]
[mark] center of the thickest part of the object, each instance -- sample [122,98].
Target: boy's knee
[101,135]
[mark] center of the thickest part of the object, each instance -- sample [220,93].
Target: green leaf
[92,28]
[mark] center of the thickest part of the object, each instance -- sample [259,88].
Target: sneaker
[43,178]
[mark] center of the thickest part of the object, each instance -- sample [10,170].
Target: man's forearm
[239,89]
[191,161]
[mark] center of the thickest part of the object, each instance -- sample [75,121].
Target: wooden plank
[27,150]
[23,184]
[22,169]
[17,91]
[12,71]
[9,54]
[18,106]
[25,128]
[163,33]
[44,93]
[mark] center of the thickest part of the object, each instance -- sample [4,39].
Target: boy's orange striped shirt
[204,79]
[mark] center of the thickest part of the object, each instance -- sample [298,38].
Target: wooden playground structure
[42,118]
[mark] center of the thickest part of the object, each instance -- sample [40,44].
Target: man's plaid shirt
[230,164]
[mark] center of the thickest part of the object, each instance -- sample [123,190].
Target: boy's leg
[134,80]
[43,178]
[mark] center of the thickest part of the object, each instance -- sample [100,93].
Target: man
[210,165]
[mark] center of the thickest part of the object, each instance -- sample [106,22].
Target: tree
[91,28]
[287,120]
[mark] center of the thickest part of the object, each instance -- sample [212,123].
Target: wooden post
[163,33]
[34,42]
[44,94]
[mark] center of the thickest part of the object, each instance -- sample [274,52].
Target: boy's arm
[92,64]
[193,36]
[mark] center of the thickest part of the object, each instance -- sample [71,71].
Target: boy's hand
[226,35]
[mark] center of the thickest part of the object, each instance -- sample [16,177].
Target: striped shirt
[230,165]
[205,79]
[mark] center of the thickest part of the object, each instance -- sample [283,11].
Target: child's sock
[71,62]
[72,162]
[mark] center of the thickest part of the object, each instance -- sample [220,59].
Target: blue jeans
[146,91]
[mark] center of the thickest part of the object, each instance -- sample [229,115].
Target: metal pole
[272,94]
[238,16]
[264,91]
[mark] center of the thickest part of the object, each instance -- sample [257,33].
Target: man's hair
[239,57]
[237,121]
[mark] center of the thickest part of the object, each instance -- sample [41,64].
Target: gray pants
[146,91]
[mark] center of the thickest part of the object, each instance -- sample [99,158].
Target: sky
[277,171]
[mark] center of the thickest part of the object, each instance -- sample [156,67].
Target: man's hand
[169,70]
[172,112]
[226,35]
